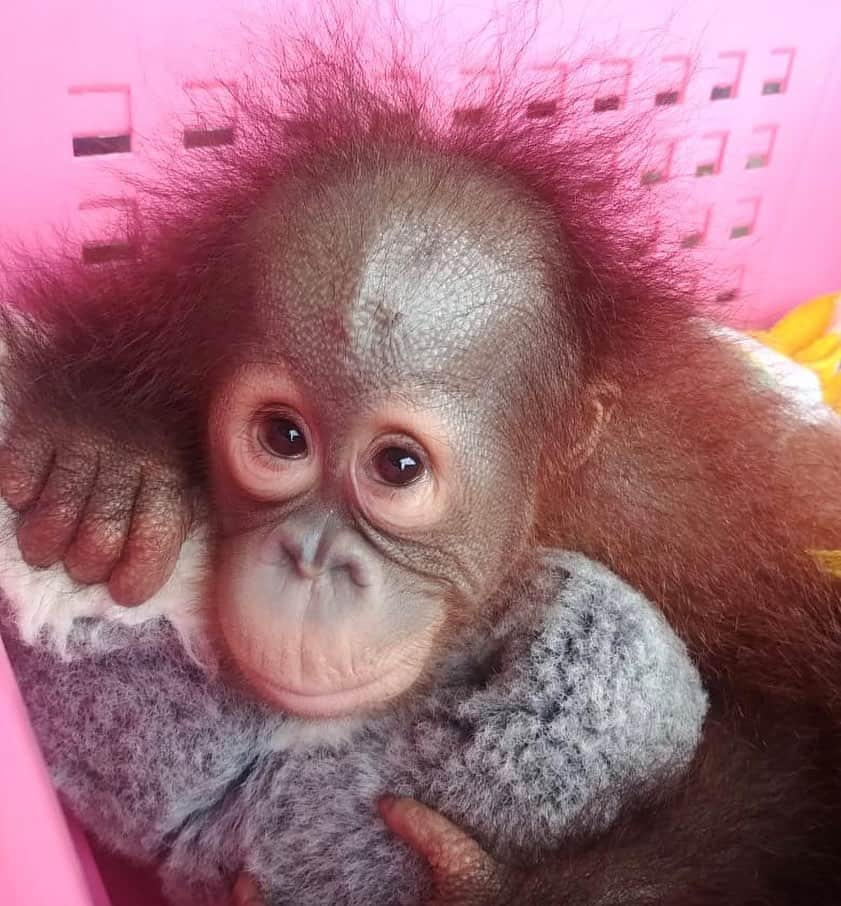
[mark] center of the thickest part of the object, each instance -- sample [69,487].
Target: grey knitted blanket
[558,722]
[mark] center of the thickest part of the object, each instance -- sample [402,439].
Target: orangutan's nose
[322,545]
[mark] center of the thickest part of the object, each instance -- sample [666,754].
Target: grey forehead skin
[593,698]
[418,271]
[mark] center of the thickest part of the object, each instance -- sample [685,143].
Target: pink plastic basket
[746,97]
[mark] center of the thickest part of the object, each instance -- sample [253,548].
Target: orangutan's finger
[46,530]
[104,527]
[463,872]
[25,464]
[160,523]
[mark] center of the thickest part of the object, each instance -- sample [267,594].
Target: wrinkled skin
[383,371]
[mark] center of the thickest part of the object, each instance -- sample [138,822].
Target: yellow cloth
[828,561]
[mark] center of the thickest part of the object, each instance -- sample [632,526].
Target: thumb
[457,861]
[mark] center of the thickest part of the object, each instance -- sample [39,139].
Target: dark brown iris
[282,437]
[397,466]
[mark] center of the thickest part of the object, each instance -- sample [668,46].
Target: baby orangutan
[386,366]
[362,566]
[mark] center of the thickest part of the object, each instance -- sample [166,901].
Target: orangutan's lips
[341,703]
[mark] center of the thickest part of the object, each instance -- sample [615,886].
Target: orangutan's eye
[398,466]
[403,482]
[281,436]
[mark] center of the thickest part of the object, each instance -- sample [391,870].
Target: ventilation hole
[208,138]
[772,87]
[540,110]
[651,177]
[721,92]
[692,240]
[755,161]
[728,295]
[667,98]
[469,116]
[602,105]
[738,231]
[705,170]
[91,145]
[105,252]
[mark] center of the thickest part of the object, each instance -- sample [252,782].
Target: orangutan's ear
[597,404]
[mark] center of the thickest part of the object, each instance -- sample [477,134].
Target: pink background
[768,234]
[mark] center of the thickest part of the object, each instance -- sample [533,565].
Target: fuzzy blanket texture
[552,728]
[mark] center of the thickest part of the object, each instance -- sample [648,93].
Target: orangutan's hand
[464,874]
[110,511]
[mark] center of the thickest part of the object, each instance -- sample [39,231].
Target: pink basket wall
[747,95]
[747,103]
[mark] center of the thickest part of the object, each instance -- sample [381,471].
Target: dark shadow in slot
[469,116]
[692,240]
[667,98]
[602,105]
[93,145]
[105,252]
[538,110]
[209,138]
